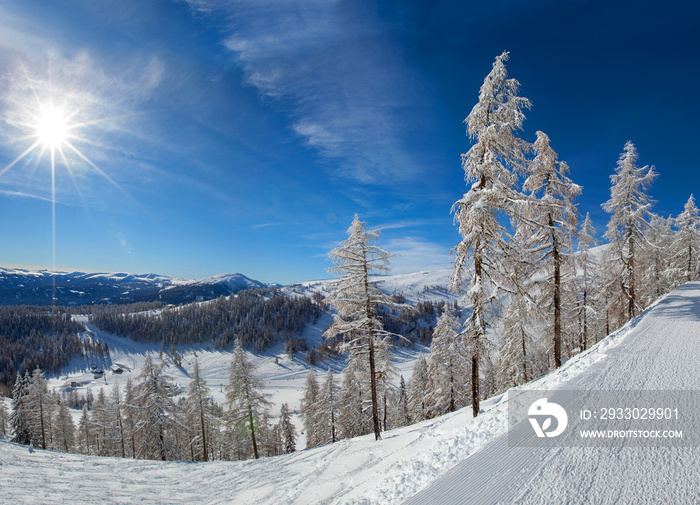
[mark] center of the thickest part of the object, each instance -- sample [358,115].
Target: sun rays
[50,122]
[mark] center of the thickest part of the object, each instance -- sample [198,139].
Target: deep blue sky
[243,135]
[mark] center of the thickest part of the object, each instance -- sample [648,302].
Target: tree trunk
[557,296]
[204,432]
[370,342]
[522,338]
[252,433]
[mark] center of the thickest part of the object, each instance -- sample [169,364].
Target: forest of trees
[258,318]
[39,337]
[144,421]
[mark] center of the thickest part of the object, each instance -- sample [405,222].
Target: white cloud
[415,254]
[335,71]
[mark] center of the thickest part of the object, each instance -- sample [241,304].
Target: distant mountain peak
[26,287]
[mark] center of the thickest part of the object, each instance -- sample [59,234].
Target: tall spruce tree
[491,166]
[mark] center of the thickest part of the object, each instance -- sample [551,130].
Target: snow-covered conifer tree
[327,410]
[200,416]
[309,411]
[586,311]
[156,411]
[4,417]
[417,388]
[491,166]
[117,421]
[64,429]
[245,400]
[39,408]
[355,418]
[402,417]
[629,206]
[287,430]
[356,299]
[102,424]
[660,275]
[19,419]
[447,369]
[84,432]
[130,418]
[686,242]
[554,220]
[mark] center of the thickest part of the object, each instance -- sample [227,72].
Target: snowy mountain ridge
[26,287]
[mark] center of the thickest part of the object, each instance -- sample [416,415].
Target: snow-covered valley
[657,350]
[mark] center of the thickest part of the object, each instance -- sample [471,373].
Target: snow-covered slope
[661,353]
[661,349]
[416,286]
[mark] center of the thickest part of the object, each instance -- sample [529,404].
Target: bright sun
[52,128]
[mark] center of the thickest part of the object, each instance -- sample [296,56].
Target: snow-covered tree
[629,206]
[491,166]
[354,419]
[516,345]
[85,436]
[310,411]
[402,417]
[245,401]
[553,217]
[102,424]
[447,369]
[287,431]
[586,264]
[327,410]
[19,419]
[130,418]
[156,411]
[417,388]
[356,299]
[660,275]
[64,429]
[200,416]
[117,421]
[4,417]
[686,242]
[38,405]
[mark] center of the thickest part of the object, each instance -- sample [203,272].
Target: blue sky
[242,135]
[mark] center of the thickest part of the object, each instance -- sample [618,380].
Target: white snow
[658,350]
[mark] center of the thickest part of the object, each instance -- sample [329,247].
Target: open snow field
[452,459]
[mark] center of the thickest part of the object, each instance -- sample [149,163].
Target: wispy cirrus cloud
[413,254]
[337,73]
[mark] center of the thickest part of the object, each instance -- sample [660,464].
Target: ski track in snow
[660,352]
[453,459]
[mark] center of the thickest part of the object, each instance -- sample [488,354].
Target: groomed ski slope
[661,353]
[454,459]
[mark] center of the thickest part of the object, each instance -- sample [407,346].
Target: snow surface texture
[658,350]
